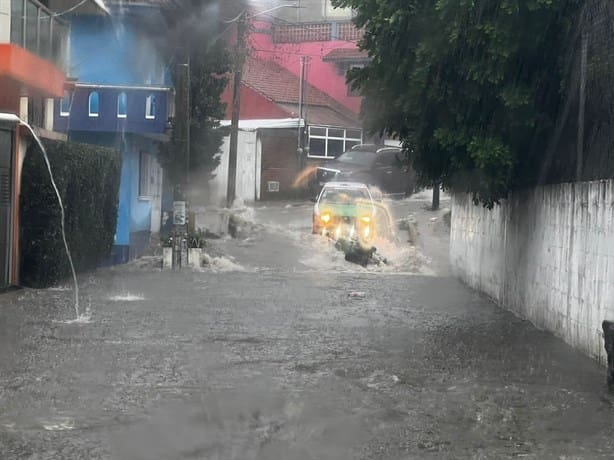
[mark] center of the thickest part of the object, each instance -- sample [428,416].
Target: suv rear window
[356,157]
[387,159]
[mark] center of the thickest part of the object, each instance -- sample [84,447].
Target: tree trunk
[435,205]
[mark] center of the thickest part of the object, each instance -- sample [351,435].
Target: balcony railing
[37,29]
[316,32]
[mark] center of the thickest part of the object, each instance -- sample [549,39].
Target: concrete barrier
[167,258]
[195,257]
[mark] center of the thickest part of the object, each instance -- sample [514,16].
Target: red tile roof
[281,86]
[319,115]
[346,54]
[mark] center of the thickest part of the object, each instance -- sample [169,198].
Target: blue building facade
[120,98]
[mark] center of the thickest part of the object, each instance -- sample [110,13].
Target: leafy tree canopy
[196,31]
[471,87]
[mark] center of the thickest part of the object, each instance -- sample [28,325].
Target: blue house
[120,97]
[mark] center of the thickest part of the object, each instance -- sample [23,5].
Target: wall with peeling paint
[546,254]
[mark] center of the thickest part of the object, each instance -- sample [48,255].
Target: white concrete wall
[546,254]
[248,171]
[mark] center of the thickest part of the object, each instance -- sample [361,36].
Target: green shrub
[88,179]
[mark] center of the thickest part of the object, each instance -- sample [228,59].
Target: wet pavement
[282,350]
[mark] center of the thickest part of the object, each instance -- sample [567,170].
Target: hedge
[88,179]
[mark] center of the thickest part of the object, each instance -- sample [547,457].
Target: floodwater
[282,350]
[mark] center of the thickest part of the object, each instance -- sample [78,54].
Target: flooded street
[282,350]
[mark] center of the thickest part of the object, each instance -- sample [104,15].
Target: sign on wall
[179,214]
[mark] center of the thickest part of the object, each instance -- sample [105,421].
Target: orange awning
[30,72]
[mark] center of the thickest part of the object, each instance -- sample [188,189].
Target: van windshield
[344,195]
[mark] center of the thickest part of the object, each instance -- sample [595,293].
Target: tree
[471,88]
[194,38]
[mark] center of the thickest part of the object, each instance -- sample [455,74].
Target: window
[65,104]
[17,22]
[150,107]
[149,176]
[94,104]
[35,28]
[358,158]
[32,27]
[325,142]
[59,44]
[387,159]
[343,195]
[44,34]
[122,105]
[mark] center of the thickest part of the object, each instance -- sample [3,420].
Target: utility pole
[236,110]
[182,119]
[242,22]
[188,116]
[300,104]
[182,133]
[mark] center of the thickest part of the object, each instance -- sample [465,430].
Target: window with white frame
[93,104]
[330,142]
[150,107]
[122,105]
[65,104]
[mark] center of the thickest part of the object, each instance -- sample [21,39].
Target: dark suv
[378,165]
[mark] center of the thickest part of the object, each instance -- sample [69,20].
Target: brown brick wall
[280,163]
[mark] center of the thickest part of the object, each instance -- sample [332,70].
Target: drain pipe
[608,339]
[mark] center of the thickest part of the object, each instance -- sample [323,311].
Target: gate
[6,205]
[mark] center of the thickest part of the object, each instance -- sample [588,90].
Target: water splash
[303,178]
[127,297]
[58,424]
[222,264]
[60,202]
[83,318]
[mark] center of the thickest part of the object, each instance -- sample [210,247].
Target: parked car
[379,166]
